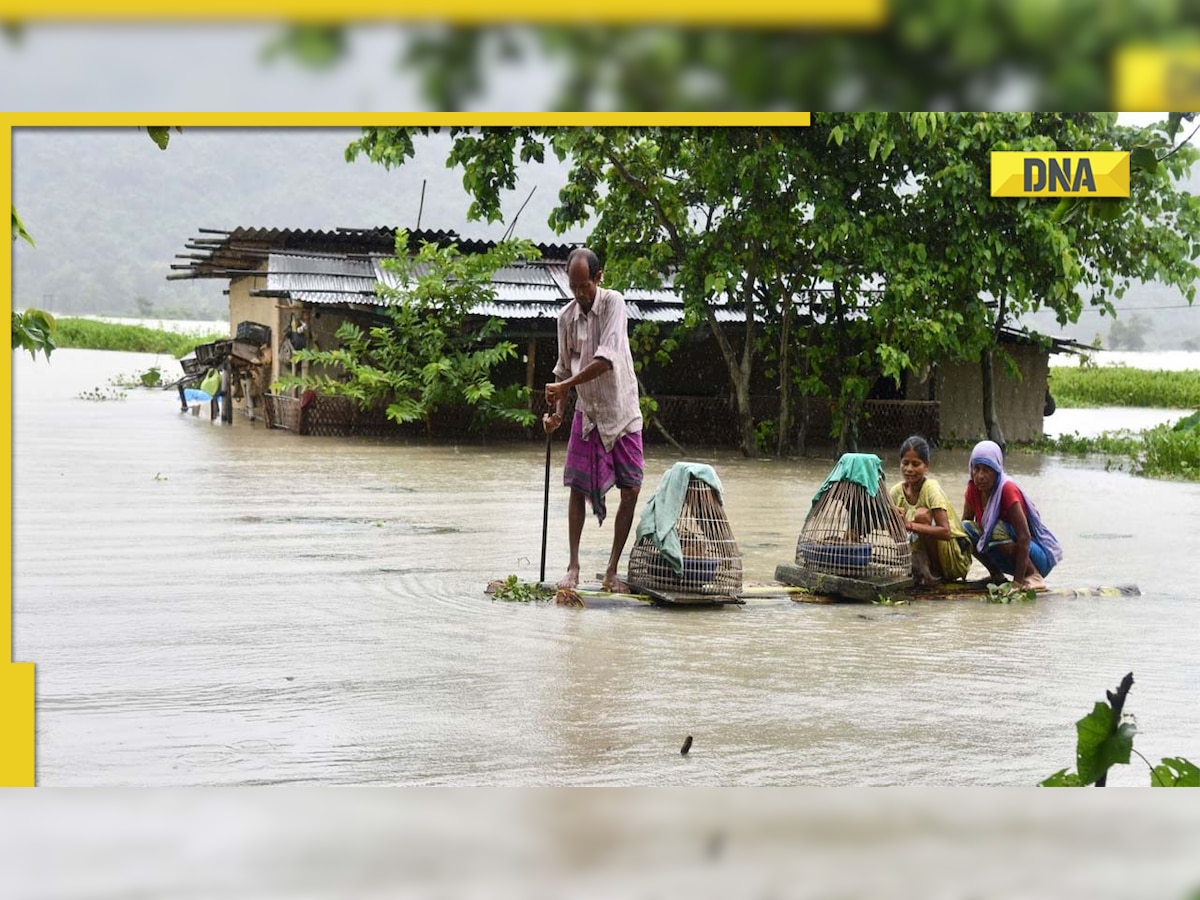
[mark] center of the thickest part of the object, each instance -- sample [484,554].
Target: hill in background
[108,210]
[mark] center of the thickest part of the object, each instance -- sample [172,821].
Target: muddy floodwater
[228,605]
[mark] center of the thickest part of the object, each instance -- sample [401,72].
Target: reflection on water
[210,604]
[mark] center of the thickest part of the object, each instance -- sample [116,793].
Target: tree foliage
[33,330]
[428,352]
[161,134]
[867,244]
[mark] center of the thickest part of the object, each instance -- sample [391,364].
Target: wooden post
[531,371]
[991,422]
[227,393]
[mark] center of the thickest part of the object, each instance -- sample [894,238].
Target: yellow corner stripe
[16,679]
[16,725]
[358,120]
[1078,174]
[1147,78]
[826,13]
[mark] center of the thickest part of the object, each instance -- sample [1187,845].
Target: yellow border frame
[17,715]
[16,679]
[755,13]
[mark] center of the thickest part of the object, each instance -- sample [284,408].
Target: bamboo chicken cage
[852,532]
[710,563]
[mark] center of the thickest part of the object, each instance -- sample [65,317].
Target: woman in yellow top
[941,549]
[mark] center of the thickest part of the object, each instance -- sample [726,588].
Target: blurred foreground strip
[483,842]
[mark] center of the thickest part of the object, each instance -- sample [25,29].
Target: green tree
[737,219]
[989,260]
[867,244]
[430,352]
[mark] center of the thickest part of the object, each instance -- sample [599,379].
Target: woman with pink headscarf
[1006,531]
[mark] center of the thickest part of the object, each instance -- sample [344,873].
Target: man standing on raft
[605,447]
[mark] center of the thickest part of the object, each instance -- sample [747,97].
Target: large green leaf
[18,228]
[1143,158]
[1100,745]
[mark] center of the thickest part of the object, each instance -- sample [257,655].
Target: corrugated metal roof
[516,310]
[534,291]
[222,253]
[319,264]
[334,298]
[531,274]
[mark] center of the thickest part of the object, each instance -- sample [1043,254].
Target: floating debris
[568,597]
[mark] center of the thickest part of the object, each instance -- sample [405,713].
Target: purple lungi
[592,470]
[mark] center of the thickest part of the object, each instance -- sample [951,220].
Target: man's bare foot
[570,581]
[612,582]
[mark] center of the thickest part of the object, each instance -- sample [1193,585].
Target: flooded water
[227,605]
[1096,420]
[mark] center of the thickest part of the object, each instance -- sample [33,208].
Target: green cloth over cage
[661,512]
[865,469]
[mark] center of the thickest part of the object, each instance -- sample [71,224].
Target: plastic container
[836,557]
[699,570]
[253,333]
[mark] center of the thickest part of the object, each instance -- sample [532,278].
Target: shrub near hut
[432,354]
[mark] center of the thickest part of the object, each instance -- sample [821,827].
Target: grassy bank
[1167,451]
[1122,386]
[88,334]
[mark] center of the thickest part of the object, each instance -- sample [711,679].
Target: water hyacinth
[1165,451]
[89,334]
[1123,386]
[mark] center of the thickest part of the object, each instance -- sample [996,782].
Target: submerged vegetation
[1008,593]
[118,386]
[514,590]
[1165,451]
[89,334]
[1121,386]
